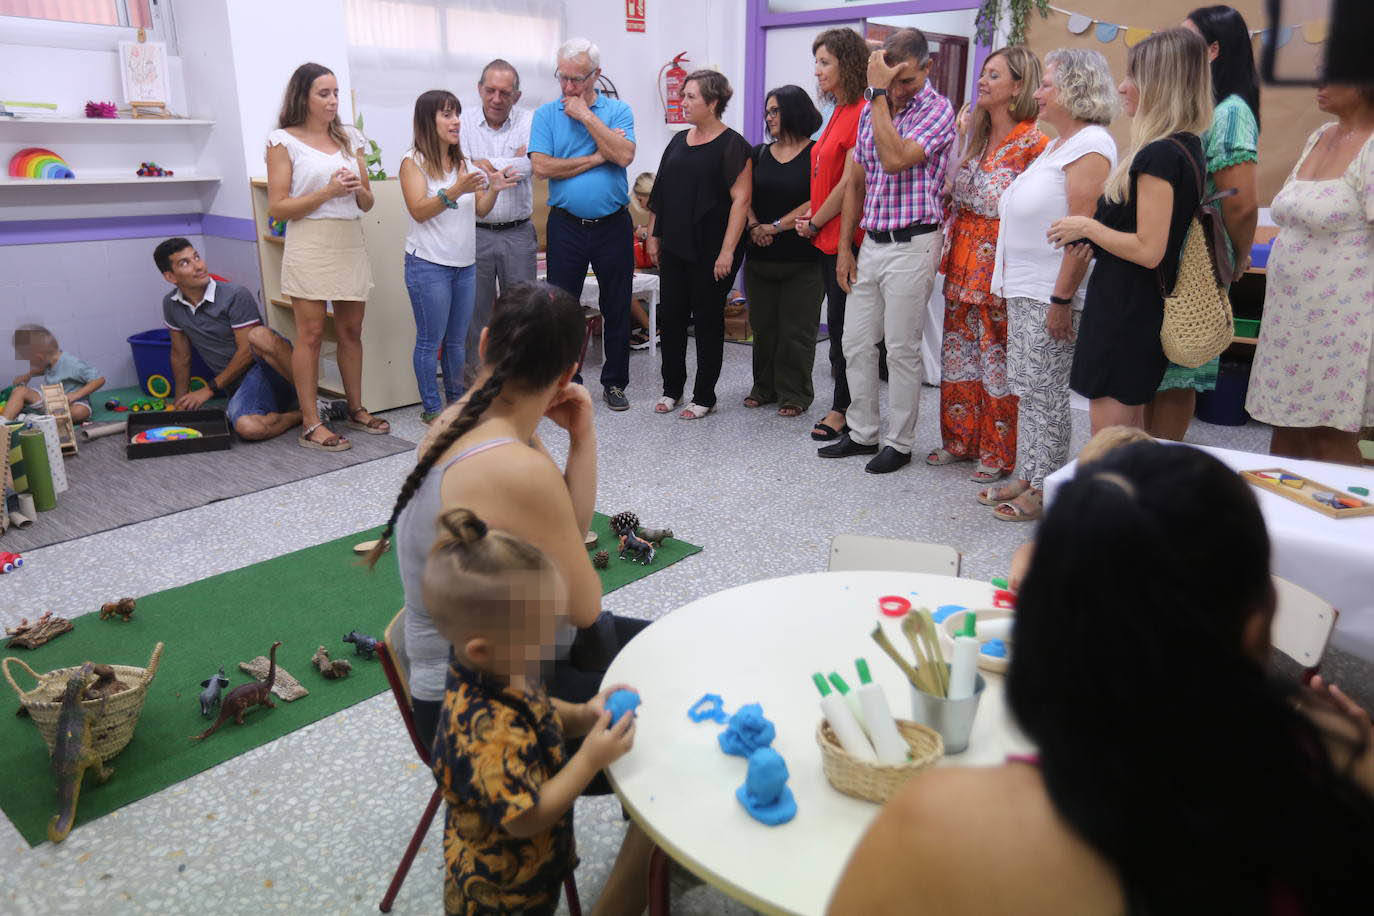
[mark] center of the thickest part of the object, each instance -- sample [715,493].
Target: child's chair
[391,653]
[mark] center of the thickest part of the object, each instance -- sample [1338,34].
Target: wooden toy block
[55,399]
[1332,502]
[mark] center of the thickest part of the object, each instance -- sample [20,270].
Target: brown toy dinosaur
[245,697]
[72,756]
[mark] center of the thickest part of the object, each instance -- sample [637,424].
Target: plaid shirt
[912,195]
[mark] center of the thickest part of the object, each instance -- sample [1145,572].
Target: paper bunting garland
[1107,32]
[1078,23]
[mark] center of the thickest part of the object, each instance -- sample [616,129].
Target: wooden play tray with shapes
[1309,493]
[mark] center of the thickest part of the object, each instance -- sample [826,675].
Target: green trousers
[785,314]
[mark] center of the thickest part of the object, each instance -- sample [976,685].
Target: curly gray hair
[1084,81]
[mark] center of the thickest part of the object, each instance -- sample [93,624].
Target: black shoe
[845,447]
[888,460]
[616,400]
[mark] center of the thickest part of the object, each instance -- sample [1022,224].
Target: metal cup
[953,719]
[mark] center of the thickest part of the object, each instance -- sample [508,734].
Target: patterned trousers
[1038,370]
[977,408]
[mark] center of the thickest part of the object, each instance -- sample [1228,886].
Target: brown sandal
[996,496]
[335,442]
[375,426]
[1027,507]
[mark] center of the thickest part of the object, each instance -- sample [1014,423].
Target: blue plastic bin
[153,358]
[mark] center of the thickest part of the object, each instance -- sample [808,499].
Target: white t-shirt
[450,238]
[1027,264]
[311,170]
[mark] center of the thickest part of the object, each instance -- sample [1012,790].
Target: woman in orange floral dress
[977,408]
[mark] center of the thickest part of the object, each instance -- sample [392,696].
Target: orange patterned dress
[977,408]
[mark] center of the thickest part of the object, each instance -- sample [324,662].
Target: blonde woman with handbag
[1138,230]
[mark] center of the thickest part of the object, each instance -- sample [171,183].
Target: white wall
[207,62]
[710,31]
[71,77]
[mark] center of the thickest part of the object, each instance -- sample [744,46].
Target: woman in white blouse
[317,182]
[1043,286]
[444,197]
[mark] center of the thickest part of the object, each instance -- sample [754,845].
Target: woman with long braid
[487,457]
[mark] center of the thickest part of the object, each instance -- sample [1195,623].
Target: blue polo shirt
[596,192]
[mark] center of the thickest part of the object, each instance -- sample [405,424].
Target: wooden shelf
[274,239]
[103,122]
[1252,341]
[8,182]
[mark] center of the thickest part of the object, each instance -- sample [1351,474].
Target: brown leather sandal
[335,442]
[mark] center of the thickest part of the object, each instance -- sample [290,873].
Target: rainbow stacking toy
[35,162]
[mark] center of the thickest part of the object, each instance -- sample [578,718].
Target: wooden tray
[1305,492]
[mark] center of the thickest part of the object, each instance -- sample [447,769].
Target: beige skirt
[326,259]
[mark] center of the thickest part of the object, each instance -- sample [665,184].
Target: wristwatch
[215,390]
[873,92]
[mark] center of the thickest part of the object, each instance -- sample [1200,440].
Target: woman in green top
[1232,148]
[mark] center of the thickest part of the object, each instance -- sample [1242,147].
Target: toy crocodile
[72,755]
[245,696]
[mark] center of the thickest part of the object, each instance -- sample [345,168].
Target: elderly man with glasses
[582,143]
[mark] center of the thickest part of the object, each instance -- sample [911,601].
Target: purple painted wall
[99,229]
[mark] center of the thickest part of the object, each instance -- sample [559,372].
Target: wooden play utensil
[886,645]
[364,547]
[931,636]
[913,626]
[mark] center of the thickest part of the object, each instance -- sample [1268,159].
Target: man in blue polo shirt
[251,364]
[582,143]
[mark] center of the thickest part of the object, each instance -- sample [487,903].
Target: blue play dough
[748,731]
[711,706]
[995,648]
[621,702]
[945,610]
[765,794]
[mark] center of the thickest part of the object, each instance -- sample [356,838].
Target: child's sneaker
[639,339]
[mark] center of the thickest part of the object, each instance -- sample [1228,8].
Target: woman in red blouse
[841,75]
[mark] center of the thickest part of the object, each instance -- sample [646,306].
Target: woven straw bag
[112,719]
[1197,314]
[876,782]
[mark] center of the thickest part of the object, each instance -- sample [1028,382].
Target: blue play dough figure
[765,794]
[710,706]
[621,702]
[946,610]
[748,731]
[995,648]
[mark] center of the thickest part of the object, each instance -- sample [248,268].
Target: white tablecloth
[760,643]
[1332,557]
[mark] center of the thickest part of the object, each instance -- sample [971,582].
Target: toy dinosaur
[124,608]
[244,697]
[363,644]
[643,550]
[331,668]
[72,755]
[209,697]
[105,683]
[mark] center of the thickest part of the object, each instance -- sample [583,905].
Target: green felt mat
[622,572]
[305,599]
[126,397]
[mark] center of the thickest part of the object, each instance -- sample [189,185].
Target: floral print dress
[977,408]
[1314,365]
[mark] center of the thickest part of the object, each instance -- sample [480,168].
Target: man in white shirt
[495,139]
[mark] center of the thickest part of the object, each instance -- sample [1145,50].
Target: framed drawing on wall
[144,74]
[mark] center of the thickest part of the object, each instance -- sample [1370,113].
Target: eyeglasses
[771,112]
[575,80]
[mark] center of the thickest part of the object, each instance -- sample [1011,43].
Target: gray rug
[106,490]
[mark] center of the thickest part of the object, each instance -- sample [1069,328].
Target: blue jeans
[262,390]
[441,298]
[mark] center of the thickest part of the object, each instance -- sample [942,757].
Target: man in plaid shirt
[894,180]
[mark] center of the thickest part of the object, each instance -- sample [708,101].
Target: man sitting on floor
[252,363]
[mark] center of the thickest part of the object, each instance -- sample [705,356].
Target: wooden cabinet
[388,323]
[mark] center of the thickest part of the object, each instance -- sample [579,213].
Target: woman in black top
[700,202]
[784,287]
[1138,230]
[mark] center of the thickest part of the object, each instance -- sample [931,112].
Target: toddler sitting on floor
[498,750]
[48,365]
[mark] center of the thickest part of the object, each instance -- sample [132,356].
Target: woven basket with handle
[873,781]
[112,719]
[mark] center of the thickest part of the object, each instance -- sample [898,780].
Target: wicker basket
[872,781]
[112,719]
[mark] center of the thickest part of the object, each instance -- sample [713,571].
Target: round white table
[760,643]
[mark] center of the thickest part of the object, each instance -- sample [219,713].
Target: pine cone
[624,523]
[601,559]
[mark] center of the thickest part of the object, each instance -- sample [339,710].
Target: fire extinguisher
[671,80]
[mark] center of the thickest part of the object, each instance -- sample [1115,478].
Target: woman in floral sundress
[1313,378]
[977,408]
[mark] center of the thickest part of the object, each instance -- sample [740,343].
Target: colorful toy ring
[894,606]
[158,386]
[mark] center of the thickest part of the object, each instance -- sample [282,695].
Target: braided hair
[535,335]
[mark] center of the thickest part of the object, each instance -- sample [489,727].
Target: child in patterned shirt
[498,750]
[48,365]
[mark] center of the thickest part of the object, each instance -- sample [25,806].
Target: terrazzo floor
[315,821]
